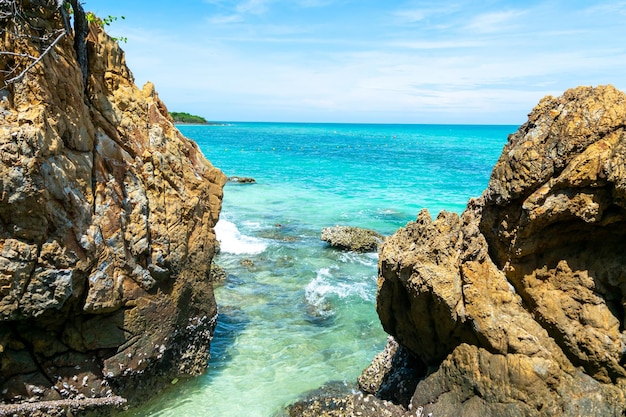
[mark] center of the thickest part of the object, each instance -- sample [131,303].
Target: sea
[294,313]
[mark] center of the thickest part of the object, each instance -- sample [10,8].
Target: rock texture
[106,229]
[352,238]
[516,307]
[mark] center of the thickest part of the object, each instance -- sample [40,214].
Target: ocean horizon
[295,314]
[240,122]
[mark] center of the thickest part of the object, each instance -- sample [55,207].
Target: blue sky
[382,61]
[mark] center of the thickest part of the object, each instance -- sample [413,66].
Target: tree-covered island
[182,117]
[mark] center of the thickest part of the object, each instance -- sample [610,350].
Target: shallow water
[298,314]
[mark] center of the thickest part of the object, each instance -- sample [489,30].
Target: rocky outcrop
[106,229]
[516,307]
[351,238]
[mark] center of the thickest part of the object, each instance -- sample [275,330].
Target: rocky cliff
[106,225]
[516,307]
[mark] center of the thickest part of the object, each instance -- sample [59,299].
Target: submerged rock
[246,262]
[106,231]
[352,238]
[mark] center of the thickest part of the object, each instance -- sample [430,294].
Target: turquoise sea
[293,313]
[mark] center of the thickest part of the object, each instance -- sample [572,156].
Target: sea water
[295,314]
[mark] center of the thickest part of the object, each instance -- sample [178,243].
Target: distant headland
[186,118]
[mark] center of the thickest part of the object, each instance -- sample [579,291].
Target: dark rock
[279,232]
[346,406]
[248,263]
[352,238]
[336,399]
[242,180]
[393,374]
[218,274]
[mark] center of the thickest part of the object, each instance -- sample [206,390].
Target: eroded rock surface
[517,306]
[106,229]
[352,238]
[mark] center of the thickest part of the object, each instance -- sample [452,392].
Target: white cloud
[225,19]
[495,21]
[437,44]
[239,12]
[255,7]
[278,70]
[314,3]
[416,15]
[618,7]
[411,16]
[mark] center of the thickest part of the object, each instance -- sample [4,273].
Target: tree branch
[36,61]
[16,54]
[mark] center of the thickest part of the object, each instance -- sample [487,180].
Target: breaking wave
[233,241]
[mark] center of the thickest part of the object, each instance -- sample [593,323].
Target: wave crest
[233,241]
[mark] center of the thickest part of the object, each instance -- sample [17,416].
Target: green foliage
[182,117]
[102,22]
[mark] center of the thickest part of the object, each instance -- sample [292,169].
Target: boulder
[352,238]
[516,306]
[106,230]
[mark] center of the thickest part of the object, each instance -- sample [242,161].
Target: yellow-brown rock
[516,307]
[106,230]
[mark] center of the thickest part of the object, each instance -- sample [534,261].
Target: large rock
[516,307]
[106,229]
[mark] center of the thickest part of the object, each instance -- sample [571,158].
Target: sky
[366,61]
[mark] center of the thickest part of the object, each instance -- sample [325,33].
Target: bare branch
[36,61]
[16,54]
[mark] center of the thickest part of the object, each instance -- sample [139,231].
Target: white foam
[366,259]
[251,225]
[324,285]
[232,241]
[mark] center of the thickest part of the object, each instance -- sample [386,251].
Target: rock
[331,401]
[352,238]
[63,408]
[242,180]
[386,389]
[106,231]
[218,274]
[392,375]
[248,263]
[516,306]
[349,406]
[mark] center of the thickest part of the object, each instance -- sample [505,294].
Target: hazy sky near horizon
[370,61]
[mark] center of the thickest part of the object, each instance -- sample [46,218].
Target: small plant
[102,22]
